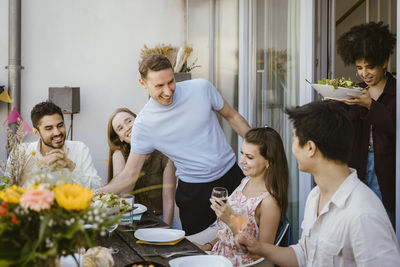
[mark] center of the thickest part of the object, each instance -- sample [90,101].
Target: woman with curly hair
[373,113]
[156,187]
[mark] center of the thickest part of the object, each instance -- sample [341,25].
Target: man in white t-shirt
[180,120]
[69,161]
[345,223]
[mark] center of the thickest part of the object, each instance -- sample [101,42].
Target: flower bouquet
[43,222]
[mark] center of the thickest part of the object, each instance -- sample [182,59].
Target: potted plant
[178,56]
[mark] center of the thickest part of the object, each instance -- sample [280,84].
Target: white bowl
[329,92]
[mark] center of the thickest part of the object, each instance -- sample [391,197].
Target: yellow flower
[73,196]
[12,194]
[33,153]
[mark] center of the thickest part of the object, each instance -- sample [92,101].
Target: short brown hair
[153,62]
[43,109]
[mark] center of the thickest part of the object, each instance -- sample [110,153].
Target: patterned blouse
[225,245]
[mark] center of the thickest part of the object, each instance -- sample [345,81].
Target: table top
[130,251]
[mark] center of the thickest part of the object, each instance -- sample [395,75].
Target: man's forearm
[125,180]
[240,125]
[282,256]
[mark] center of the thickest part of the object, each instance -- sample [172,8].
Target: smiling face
[161,85]
[51,131]
[122,125]
[371,75]
[254,164]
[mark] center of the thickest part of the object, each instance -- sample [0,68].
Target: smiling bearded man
[68,159]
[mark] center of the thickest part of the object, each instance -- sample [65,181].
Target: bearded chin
[49,144]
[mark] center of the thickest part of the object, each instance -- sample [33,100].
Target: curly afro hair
[371,41]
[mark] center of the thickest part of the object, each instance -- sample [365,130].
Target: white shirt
[84,172]
[353,229]
[187,131]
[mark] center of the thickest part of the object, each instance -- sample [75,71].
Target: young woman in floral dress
[263,191]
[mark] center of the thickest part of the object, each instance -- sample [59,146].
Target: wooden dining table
[129,251]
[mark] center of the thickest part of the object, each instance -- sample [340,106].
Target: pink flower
[38,199]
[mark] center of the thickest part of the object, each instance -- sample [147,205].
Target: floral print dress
[225,245]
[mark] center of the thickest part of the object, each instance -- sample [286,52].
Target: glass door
[276,75]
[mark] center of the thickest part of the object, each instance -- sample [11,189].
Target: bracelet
[209,243]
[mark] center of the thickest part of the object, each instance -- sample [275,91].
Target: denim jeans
[371,179]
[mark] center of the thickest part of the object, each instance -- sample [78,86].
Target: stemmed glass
[111,228]
[239,217]
[220,193]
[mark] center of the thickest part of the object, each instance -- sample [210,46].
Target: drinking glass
[113,212]
[239,217]
[127,217]
[220,193]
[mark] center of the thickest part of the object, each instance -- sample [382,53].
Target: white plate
[159,234]
[140,208]
[68,261]
[329,92]
[201,261]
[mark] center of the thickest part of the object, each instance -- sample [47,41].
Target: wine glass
[113,213]
[220,193]
[239,218]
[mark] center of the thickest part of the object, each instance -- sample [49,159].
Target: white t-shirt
[353,229]
[84,172]
[187,131]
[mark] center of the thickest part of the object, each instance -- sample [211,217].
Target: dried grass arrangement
[178,56]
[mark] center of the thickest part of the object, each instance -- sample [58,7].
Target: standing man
[69,160]
[180,121]
[345,223]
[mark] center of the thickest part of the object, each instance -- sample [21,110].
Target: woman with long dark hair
[264,192]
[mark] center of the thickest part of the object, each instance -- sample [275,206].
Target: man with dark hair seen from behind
[180,121]
[345,223]
[62,158]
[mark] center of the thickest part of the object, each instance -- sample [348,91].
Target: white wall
[94,45]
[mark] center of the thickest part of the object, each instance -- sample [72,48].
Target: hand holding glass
[222,194]
[239,218]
